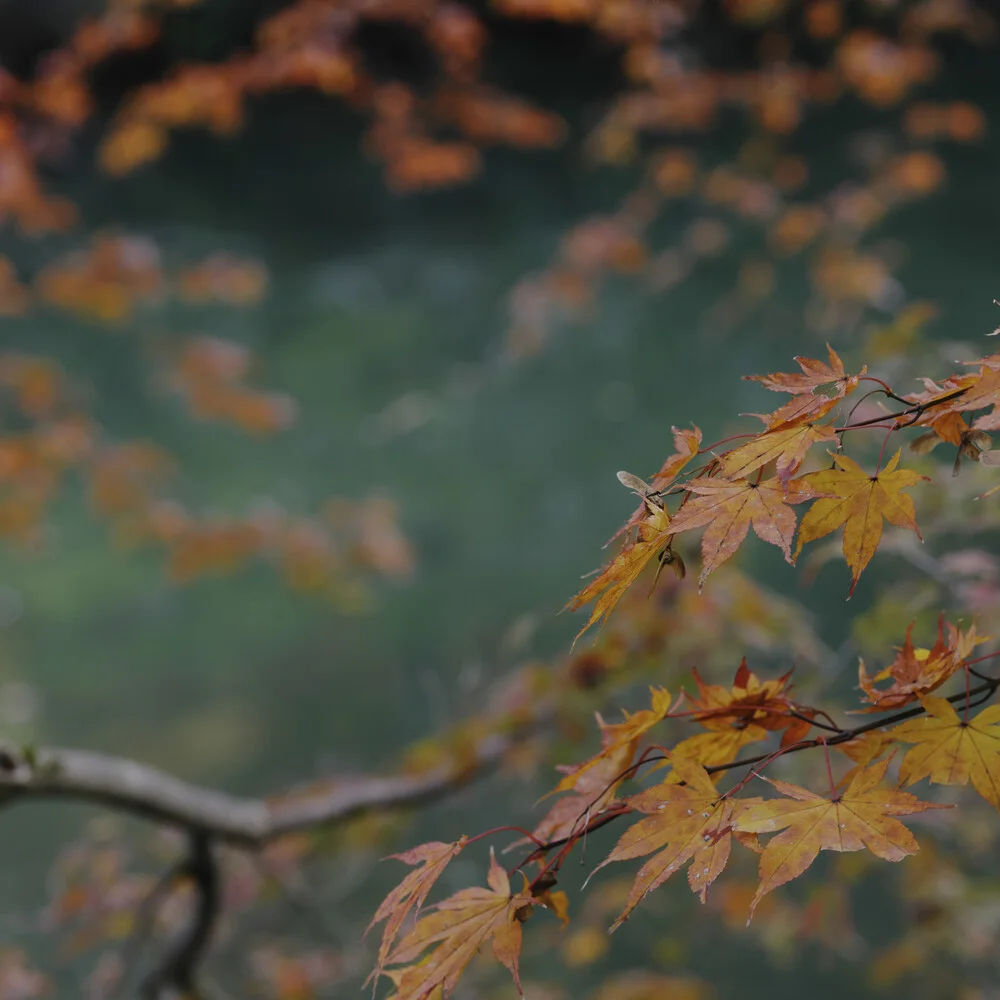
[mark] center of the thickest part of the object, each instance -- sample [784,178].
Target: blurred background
[326,327]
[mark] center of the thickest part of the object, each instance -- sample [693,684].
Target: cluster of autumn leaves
[686,820]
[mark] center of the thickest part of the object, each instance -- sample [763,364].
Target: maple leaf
[728,509]
[459,926]
[653,533]
[815,374]
[410,894]
[917,671]
[720,746]
[851,497]
[864,750]
[764,703]
[619,739]
[798,410]
[863,816]
[786,446]
[687,822]
[951,750]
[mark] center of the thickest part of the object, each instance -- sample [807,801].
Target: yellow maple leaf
[952,751]
[859,501]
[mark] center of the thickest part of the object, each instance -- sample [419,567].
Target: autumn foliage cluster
[689,818]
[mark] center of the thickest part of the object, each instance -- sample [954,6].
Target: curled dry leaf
[917,671]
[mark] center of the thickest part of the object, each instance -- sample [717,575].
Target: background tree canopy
[325,328]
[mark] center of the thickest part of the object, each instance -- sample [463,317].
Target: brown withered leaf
[459,926]
[917,671]
[410,894]
[951,750]
[687,822]
[727,510]
[860,502]
[862,816]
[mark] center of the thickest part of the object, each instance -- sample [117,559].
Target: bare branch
[128,786]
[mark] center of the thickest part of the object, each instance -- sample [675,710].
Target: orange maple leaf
[727,510]
[851,497]
[764,703]
[687,822]
[653,533]
[686,442]
[459,926]
[951,750]
[786,446]
[916,671]
[862,816]
[619,739]
[815,375]
[410,894]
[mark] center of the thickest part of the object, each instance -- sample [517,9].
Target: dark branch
[177,973]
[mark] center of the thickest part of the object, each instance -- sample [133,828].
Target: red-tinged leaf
[727,510]
[952,751]
[458,928]
[684,823]
[764,703]
[863,816]
[686,445]
[860,502]
[410,894]
[916,671]
[785,446]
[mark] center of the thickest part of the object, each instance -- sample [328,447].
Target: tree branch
[128,786]
[177,973]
